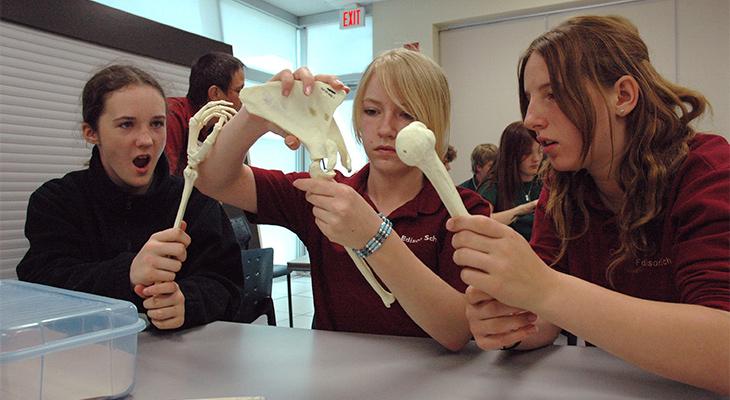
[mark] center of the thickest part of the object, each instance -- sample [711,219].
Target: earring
[621,111]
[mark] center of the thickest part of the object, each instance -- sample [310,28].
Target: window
[270,152]
[260,41]
[267,45]
[331,50]
[196,16]
[353,51]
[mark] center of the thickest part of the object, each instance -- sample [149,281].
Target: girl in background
[514,186]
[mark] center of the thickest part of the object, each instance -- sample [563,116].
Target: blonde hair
[416,84]
[593,51]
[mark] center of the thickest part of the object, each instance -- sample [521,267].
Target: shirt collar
[426,202]
[104,186]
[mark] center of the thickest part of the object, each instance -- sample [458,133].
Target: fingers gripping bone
[197,152]
[309,118]
[415,145]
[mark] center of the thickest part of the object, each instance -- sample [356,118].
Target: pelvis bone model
[309,118]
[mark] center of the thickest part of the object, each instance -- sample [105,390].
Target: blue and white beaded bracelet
[386,227]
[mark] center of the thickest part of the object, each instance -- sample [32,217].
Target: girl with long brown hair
[514,186]
[634,218]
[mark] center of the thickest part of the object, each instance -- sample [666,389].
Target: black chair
[258,270]
[258,267]
[241,231]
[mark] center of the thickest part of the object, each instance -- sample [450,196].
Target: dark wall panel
[96,23]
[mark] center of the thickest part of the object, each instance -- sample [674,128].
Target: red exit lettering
[351,18]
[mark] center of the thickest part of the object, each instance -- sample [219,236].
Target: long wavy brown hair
[592,51]
[514,145]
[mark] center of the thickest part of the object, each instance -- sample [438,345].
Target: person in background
[514,187]
[449,157]
[107,230]
[213,76]
[415,260]
[483,158]
[634,216]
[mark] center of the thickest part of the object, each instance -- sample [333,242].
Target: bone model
[198,151]
[310,119]
[415,145]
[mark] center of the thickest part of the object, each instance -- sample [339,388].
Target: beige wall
[401,21]
[689,43]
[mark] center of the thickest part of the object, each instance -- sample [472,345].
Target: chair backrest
[258,265]
[248,232]
[241,231]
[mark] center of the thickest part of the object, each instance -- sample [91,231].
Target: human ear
[90,135]
[215,93]
[627,95]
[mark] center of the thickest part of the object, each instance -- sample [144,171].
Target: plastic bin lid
[37,319]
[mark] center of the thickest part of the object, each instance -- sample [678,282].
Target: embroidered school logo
[648,262]
[427,238]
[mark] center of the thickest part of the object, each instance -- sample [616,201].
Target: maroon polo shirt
[179,112]
[692,264]
[343,300]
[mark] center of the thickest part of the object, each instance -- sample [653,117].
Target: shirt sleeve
[489,192]
[544,240]
[177,142]
[701,215]
[279,203]
[57,255]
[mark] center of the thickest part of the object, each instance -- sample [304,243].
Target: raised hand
[287,78]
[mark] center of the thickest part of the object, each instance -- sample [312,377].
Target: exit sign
[351,18]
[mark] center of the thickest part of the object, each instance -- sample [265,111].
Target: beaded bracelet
[386,227]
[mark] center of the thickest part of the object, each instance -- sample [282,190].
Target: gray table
[225,360]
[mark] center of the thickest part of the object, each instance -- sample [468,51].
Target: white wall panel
[481,65]
[689,43]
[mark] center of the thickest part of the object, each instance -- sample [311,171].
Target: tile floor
[301,287]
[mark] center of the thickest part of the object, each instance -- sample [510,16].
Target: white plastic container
[62,344]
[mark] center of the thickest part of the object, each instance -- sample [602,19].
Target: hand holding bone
[160,258]
[198,151]
[415,145]
[310,119]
